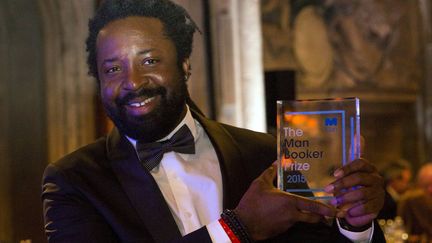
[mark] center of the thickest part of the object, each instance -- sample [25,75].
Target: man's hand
[266,211]
[359,191]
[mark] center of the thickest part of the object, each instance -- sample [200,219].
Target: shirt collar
[188,120]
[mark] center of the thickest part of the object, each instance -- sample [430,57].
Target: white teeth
[142,103]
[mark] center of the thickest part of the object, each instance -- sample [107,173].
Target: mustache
[147,92]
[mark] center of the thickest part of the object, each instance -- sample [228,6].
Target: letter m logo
[330,122]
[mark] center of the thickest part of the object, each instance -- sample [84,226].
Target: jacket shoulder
[258,150]
[251,139]
[90,155]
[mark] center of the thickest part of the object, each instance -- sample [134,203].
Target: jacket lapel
[234,175]
[141,189]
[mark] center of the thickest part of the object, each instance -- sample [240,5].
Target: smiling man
[142,88]
[168,174]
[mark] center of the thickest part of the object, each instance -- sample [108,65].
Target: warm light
[299,120]
[312,123]
[286,162]
[287,117]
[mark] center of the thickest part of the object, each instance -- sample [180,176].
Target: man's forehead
[134,23]
[132,30]
[132,36]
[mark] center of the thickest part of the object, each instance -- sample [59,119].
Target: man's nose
[134,79]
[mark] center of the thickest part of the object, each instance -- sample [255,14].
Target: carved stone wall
[377,50]
[362,47]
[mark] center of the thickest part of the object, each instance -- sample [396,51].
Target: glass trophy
[315,137]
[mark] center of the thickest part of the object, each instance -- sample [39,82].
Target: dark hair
[393,169]
[178,25]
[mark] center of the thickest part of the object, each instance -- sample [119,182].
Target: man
[127,188]
[416,207]
[397,177]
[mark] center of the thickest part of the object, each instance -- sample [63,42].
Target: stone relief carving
[337,44]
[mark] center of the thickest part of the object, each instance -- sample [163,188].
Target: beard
[156,124]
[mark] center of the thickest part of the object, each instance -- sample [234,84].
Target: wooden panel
[70,91]
[46,103]
[425,116]
[23,120]
[5,160]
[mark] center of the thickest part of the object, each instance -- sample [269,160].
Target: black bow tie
[150,154]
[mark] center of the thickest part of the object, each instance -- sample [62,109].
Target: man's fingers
[359,165]
[304,204]
[370,207]
[353,181]
[352,196]
[361,220]
[309,217]
[269,174]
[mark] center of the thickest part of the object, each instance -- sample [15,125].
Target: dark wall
[23,133]
[279,85]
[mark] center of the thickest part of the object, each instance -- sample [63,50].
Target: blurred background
[249,54]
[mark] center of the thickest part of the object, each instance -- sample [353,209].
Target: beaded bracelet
[229,232]
[231,219]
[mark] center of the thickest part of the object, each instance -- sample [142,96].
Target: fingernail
[356,187]
[329,188]
[333,202]
[341,214]
[336,201]
[271,169]
[338,173]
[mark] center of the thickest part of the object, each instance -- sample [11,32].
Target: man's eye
[150,61]
[112,70]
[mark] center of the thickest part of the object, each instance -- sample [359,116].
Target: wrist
[233,238]
[347,226]
[230,219]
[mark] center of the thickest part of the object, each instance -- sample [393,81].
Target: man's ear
[186,68]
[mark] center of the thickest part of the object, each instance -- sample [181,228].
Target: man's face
[401,184]
[426,183]
[142,88]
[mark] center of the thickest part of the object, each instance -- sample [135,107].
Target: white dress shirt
[192,186]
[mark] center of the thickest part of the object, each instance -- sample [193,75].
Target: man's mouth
[142,103]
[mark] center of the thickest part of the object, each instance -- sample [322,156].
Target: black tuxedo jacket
[101,192]
[389,210]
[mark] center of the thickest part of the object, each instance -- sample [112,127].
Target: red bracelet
[229,232]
